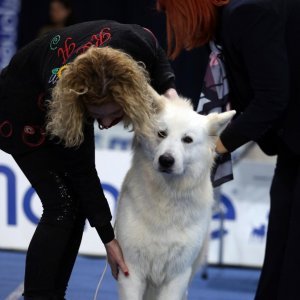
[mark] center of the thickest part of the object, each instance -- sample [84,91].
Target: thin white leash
[17,293]
[100,282]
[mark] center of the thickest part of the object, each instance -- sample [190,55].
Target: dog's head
[183,141]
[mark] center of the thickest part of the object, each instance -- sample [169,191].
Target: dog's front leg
[176,288]
[131,287]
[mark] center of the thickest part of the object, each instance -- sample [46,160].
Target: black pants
[53,249]
[280,276]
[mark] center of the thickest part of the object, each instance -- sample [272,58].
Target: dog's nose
[166,160]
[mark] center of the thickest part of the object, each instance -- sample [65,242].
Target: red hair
[190,23]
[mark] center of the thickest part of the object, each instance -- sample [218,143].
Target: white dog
[165,203]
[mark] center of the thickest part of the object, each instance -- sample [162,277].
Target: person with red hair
[259,42]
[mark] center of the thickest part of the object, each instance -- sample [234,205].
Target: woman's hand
[220,148]
[115,258]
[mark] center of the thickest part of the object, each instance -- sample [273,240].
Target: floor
[222,283]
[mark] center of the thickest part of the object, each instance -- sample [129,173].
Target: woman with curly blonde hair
[50,95]
[259,44]
[85,87]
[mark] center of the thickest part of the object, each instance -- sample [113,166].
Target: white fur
[163,213]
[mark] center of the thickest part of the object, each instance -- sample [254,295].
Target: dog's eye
[187,140]
[162,133]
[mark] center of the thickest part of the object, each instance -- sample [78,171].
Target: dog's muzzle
[166,161]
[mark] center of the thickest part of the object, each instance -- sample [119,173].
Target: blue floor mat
[222,283]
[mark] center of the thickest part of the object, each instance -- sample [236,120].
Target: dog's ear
[218,122]
[158,100]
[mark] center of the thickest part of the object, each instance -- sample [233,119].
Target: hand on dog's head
[217,121]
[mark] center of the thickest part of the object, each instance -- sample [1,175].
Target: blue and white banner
[239,223]
[20,207]
[9,11]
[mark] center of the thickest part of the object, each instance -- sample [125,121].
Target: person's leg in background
[58,234]
[282,191]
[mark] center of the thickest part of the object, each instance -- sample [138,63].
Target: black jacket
[27,82]
[261,45]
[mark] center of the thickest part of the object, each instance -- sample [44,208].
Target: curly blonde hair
[98,76]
